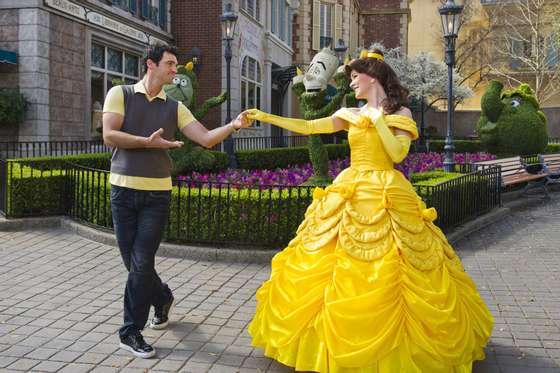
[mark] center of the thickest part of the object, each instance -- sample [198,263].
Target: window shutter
[132,6]
[316,43]
[337,23]
[163,14]
[145,9]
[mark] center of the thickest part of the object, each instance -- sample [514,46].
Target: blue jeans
[139,219]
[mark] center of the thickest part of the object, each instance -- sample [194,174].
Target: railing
[554,140]
[3,186]
[203,212]
[29,149]
[267,142]
[266,216]
[464,198]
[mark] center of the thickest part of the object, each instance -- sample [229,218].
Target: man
[139,122]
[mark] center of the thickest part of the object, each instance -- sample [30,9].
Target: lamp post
[196,55]
[228,20]
[450,20]
[340,50]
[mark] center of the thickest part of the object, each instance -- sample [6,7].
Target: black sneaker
[136,344]
[162,314]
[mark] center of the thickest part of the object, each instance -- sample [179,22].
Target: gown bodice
[366,149]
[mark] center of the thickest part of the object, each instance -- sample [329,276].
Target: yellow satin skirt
[326,309]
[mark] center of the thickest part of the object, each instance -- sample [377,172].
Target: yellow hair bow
[367,54]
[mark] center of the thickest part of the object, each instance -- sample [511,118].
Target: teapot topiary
[511,121]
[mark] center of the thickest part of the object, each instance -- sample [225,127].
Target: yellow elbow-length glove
[396,146]
[305,127]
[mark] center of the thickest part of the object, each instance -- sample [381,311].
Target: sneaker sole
[143,355]
[165,324]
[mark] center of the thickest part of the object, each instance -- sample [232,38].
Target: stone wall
[67,80]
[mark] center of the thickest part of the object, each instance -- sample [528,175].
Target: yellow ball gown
[369,283]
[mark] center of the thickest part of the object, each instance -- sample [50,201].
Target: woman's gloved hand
[305,127]
[396,146]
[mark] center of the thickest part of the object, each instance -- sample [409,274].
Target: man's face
[166,69]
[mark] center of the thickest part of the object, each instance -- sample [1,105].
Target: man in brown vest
[139,122]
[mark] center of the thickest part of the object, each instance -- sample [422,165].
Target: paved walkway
[60,303]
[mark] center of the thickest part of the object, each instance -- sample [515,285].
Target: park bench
[551,167]
[515,171]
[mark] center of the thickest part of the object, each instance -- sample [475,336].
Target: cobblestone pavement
[60,303]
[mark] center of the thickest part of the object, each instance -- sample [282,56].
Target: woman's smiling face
[360,83]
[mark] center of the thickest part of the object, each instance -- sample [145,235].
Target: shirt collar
[139,88]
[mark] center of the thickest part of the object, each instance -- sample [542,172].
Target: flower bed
[297,175]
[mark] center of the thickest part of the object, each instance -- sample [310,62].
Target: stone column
[33,52]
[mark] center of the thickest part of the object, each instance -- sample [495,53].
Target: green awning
[8,57]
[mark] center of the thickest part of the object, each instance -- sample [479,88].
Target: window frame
[256,13]
[246,81]
[323,24]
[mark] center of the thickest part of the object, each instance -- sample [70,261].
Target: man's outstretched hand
[156,141]
[242,121]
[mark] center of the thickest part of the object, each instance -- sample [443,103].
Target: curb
[166,249]
[238,255]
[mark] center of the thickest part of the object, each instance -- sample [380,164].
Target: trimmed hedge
[461,146]
[432,177]
[269,159]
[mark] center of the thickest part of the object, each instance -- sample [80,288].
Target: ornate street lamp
[228,20]
[196,57]
[451,21]
[340,49]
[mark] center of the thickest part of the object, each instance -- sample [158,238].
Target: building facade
[262,54]
[69,53]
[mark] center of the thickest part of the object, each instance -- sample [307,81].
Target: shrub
[461,146]
[12,107]
[552,148]
[269,159]
[432,177]
[197,159]
[100,161]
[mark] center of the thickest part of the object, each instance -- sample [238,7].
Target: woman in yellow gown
[369,283]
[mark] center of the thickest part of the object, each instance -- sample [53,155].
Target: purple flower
[298,174]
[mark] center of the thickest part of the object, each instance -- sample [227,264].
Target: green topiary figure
[184,89]
[511,121]
[314,103]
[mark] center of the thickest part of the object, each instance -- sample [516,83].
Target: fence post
[3,186]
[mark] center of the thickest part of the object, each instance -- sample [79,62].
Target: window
[110,65]
[326,36]
[281,20]
[251,85]
[252,7]
[327,23]
[154,11]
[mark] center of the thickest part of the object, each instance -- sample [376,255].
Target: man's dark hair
[155,53]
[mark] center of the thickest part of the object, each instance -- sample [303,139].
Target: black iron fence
[29,149]
[266,216]
[3,186]
[464,198]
